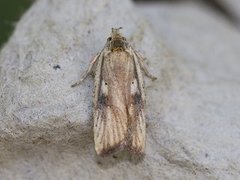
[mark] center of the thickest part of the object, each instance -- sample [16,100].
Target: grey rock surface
[192,109]
[206,109]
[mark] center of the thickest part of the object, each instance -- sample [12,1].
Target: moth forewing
[111,124]
[138,134]
[119,98]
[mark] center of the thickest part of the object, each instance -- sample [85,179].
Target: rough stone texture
[205,110]
[193,108]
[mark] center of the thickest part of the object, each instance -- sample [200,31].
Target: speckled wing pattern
[119,119]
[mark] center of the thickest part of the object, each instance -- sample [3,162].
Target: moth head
[116,41]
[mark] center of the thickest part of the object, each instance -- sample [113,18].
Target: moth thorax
[117,44]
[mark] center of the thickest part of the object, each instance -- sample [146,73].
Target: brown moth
[119,98]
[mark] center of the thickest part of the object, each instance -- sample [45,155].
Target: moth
[119,98]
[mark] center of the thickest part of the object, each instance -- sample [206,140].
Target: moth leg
[89,71]
[144,68]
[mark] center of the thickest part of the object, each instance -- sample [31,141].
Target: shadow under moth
[119,98]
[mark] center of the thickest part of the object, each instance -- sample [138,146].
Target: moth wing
[110,131]
[110,112]
[138,132]
[136,111]
[119,119]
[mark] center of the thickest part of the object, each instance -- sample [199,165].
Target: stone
[192,108]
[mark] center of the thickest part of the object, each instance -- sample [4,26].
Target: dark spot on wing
[137,98]
[102,99]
